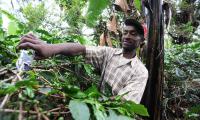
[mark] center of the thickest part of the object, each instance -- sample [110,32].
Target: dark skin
[130,41]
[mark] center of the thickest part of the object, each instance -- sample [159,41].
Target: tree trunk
[155,58]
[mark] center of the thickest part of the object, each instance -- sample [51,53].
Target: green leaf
[73,91]
[27,83]
[1,20]
[92,92]
[94,10]
[49,75]
[138,4]
[194,109]
[1,34]
[114,116]
[29,92]
[12,28]
[12,36]
[79,110]
[8,90]
[88,68]
[44,32]
[35,15]
[10,16]
[135,108]
[99,114]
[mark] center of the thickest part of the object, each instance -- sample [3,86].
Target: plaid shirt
[123,75]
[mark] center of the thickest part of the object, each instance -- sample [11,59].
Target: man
[120,68]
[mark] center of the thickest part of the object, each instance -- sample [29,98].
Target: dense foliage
[182,73]
[56,88]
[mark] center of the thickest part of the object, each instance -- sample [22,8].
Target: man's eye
[134,33]
[124,33]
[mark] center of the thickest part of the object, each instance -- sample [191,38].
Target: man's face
[130,38]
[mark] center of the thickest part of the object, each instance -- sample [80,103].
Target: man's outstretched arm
[44,50]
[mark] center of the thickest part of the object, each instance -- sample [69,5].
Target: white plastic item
[24,61]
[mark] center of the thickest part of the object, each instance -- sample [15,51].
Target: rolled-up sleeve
[96,56]
[135,87]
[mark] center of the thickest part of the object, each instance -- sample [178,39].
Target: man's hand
[42,49]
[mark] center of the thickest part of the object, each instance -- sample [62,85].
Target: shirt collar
[132,61]
[119,51]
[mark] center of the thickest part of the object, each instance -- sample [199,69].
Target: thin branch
[45,117]
[32,112]
[6,80]
[55,96]
[6,98]
[55,109]
[20,117]
[38,115]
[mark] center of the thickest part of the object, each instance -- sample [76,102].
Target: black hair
[136,25]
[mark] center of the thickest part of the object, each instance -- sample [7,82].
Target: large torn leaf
[94,10]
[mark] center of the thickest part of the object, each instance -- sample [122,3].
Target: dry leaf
[108,40]
[102,40]
[105,38]
[121,5]
[112,24]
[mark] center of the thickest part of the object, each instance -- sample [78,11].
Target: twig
[61,97]
[55,109]
[3,73]
[37,110]
[4,101]
[6,80]
[3,69]
[46,81]
[45,117]
[32,112]
[20,117]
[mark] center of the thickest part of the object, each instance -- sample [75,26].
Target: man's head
[133,34]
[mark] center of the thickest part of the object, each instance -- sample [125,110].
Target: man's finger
[27,39]
[31,34]
[28,45]
[38,58]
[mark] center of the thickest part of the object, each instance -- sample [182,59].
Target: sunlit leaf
[12,28]
[94,10]
[138,4]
